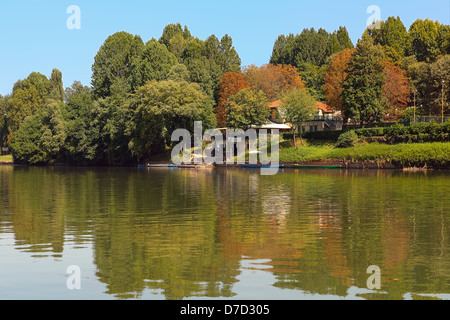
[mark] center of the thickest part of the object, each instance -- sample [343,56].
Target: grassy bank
[6,159]
[430,155]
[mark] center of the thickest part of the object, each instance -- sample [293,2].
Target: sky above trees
[35,36]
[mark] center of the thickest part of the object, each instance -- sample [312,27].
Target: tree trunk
[301,134]
[295,142]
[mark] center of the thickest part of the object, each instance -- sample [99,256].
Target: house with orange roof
[325,119]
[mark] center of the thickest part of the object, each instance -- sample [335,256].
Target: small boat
[261,166]
[162,165]
[188,166]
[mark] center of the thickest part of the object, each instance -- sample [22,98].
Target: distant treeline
[140,92]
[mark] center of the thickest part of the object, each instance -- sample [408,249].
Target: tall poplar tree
[362,94]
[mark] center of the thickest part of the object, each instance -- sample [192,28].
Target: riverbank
[8,159]
[433,155]
[406,156]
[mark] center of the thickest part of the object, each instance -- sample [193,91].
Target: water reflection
[179,233]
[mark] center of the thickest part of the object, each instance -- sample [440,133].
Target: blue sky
[34,35]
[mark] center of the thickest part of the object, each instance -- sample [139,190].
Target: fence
[429,119]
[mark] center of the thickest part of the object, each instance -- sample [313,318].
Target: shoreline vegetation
[415,147]
[406,156]
[143,92]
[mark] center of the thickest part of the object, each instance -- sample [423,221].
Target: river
[169,233]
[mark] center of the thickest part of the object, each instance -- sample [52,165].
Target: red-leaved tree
[230,84]
[396,90]
[335,76]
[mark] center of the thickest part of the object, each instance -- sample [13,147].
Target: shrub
[347,139]
[396,130]
[370,132]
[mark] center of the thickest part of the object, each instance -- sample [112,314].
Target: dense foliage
[141,91]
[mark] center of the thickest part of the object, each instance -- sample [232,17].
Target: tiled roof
[276,104]
[324,107]
[319,105]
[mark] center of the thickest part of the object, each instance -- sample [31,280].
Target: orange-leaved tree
[335,76]
[273,80]
[396,90]
[229,85]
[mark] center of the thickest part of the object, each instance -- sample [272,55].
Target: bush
[317,135]
[323,135]
[396,130]
[347,139]
[370,132]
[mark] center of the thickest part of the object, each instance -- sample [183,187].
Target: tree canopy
[140,92]
[363,86]
[247,108]
[310,46]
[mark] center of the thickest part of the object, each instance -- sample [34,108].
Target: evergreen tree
[57,87]
[392,33]
[362,93]
[310,46]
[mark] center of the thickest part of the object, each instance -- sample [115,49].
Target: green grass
[6,159]
[434,154]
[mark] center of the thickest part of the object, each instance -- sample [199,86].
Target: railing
[428,119]
[327,118]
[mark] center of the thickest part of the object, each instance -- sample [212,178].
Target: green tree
[41,137]
[426,79]
[159,108]
[338,41]
[247,108]
[310,46]
[113,62]
[439,84]
[212,47]
[28,97]
[363,87]
[206,74]
[4,132]
[57,88]
[82,133]
[177,45]
[419,73]
[427,39]
[178,72]
[194,49]
[344,39]
[313,76]
[298,107]
[76,88]
[171,30]
[284,50]
[392,33]
[154,63]
[111,116]
[229,60]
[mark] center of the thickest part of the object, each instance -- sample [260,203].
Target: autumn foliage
[396,89]
[334,77]
[273,80]
[229,85]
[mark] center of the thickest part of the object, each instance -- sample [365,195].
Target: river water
[168,233]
